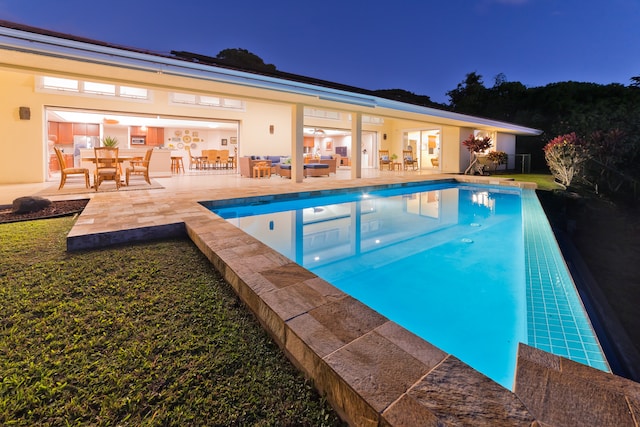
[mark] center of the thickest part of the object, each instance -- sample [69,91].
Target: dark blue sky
[424,46]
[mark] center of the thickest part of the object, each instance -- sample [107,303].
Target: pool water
[473,270]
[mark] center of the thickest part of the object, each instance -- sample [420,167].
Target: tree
[242,58]
[469,97]
[476,145]
[565,156]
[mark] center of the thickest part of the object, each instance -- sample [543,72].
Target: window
[99,88]
[133,92]
[210,100]
[206,101]
[373,120]
[56,83]
[87,88]
[323,114]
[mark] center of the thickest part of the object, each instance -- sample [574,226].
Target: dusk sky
[423,46]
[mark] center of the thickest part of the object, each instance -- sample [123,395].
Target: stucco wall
[507,143]
[21,141]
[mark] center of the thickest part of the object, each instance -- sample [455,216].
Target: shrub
[498,157]
[565,156]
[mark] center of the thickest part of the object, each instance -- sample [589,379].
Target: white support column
[356,145]
[297,142]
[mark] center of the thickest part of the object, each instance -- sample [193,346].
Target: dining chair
[140,167]
[193,160]
[223,158]
[65,171]
[107,167]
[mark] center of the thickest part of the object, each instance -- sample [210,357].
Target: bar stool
[176,164]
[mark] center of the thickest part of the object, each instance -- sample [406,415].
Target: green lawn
[544,181]
[143,335]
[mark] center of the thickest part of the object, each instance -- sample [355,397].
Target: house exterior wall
[507,143]
[24,142]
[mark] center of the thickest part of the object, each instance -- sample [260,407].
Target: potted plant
[109,141]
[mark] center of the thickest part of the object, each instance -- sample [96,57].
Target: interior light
[377,241]
[316,258]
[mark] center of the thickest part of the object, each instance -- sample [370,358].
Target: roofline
[33,40]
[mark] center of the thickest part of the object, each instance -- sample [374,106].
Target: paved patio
[373,371]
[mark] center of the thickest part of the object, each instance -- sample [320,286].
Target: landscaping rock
[29,204]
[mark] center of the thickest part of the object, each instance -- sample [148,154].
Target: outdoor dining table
[121,159]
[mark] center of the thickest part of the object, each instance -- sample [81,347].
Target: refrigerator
[82,141]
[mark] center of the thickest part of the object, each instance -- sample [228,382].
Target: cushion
[325,157]
[384,158]
[316,166]
[409,159]
[285,160]
[285,166]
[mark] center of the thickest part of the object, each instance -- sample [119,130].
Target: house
[66,91]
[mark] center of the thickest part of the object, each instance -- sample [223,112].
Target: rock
[29,204]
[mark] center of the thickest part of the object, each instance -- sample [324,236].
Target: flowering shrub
[498,157]
[565,156]
[477,145]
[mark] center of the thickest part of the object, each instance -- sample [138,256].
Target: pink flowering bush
[565,156]
[477,145]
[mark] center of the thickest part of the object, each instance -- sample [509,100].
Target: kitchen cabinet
[79,128]
[54,165]
[154,136]
[93,129]
[65,133]
[138,131]
[52,130]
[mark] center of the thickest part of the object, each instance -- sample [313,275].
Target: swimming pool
[472,269]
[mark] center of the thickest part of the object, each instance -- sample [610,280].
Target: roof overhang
[47,45]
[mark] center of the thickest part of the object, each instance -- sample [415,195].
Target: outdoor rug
[78,187]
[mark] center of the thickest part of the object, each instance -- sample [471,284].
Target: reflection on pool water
[467,268]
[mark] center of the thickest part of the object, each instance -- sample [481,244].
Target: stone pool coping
[372,371]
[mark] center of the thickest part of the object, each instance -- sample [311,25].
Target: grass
[545,182]
[144,335]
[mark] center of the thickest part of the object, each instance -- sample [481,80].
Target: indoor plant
[109,141]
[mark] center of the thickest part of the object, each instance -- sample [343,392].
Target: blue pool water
[472,269]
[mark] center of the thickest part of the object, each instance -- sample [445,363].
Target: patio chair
[65,171]
[408,160]
[140,167]
[107,167]
[385,159]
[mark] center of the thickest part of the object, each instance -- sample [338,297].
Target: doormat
[78,187]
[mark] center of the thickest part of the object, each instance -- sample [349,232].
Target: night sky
[423,46]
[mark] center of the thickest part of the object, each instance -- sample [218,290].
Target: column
[356,145]
[297,142]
